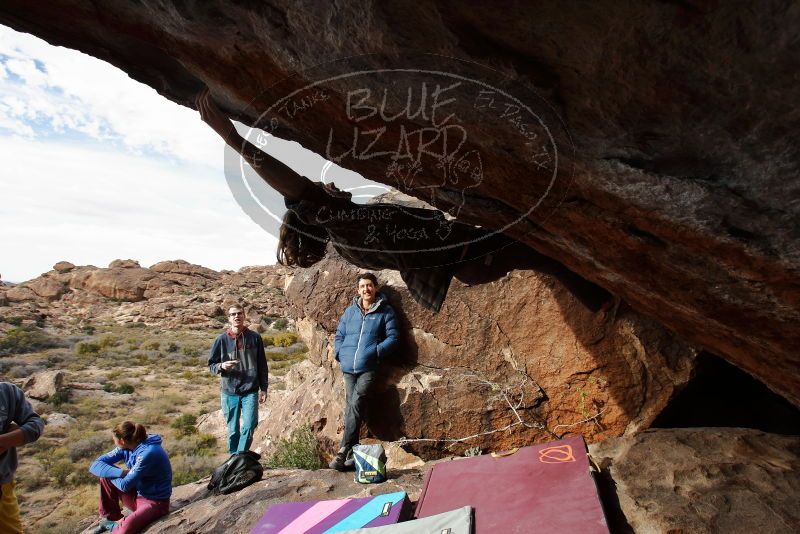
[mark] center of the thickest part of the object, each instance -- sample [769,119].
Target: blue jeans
[234,406]
[356,389]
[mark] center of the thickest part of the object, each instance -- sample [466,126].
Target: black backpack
[238,471]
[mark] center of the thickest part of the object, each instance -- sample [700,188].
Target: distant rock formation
[171,294]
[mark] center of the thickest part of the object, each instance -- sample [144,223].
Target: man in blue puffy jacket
[366,334]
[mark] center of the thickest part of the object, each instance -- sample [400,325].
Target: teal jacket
[363,339]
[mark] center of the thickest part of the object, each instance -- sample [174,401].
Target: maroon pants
[144,511]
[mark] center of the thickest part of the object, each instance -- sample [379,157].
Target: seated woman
[144,484]
[422,244]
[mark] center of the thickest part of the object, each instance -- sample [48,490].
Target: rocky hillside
[170,294]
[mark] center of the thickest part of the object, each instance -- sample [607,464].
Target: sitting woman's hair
[130,432]
[300,244]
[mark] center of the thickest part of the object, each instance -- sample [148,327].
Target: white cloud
[64,90]
[90,206]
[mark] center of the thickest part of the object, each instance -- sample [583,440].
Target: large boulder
[658,153]
[702,480]
[47,288]
[20,294]
[527,357]
[195,509]
[43,385]
[127,283]
[63,267]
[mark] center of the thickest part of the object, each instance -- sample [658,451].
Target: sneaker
[105,525]
[349,462]
[338,461]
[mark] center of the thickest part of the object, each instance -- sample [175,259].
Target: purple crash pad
[544,489]
[327,517]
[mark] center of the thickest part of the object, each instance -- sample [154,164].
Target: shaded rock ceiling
[661,152]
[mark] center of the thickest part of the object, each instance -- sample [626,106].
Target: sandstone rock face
[124,264]
[519,360]
[63,267]
[47,288]
[44,384]
[20,294]
[705,480]
[677,196]
[126,283]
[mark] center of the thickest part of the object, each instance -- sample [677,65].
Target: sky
[96,166]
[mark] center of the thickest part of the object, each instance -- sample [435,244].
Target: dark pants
[356,387]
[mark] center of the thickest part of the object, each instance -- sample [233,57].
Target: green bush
[186,469]
[285,339]
[85,348]
[194,445]
[60,470]
[59,397]
[172,347]
[184,425]
[108,341]
[192,352]
[22,339]
[269,341]
[300,451]
[14,321]
[152,344]
[280,324]
[123,387]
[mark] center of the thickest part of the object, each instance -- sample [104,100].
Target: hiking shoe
[105,525]
[338,461]
[349,462]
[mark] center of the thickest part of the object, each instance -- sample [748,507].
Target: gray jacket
[15,408]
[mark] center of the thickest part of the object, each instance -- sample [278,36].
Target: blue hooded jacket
[150,472]
[363,339]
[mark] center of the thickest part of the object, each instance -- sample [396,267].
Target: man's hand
[124,473]
[230,364]
[213,116]
[262,397]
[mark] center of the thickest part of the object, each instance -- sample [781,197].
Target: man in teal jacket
[366,334]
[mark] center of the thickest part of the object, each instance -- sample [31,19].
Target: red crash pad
[544,488]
